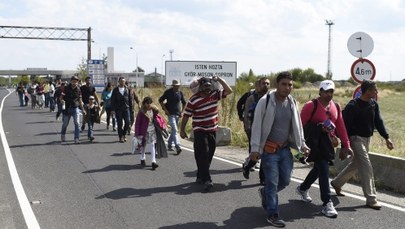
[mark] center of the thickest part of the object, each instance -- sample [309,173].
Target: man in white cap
[173,103]
[322,120]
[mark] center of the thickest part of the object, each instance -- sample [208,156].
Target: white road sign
[360,44]
[186,71]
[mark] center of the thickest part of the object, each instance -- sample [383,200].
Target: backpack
[309,126]
[252,107]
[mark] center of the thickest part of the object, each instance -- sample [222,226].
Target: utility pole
[329,23]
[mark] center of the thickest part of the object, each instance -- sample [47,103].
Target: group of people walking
[278,126]
[40,93]
[272,121]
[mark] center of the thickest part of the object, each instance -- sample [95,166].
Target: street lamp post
[136,65]
[136,55]
[171,51]
[329,23]
[161,75]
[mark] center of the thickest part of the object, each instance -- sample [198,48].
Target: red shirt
[204,111]
[321,115]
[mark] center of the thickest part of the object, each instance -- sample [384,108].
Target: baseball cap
[327,85]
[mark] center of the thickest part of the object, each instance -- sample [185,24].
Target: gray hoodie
[264,119]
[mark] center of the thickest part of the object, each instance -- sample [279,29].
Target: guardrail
[389,172]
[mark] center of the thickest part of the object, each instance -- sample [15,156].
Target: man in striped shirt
[203,107]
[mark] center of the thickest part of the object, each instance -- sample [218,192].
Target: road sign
[187,71]
[357,93]
[360,44]
[362,69]
[96,71]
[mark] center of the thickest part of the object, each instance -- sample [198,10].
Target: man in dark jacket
[72,98]
[88,90]
[121,104]
[362,116]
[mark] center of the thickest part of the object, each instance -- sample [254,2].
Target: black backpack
[252,107]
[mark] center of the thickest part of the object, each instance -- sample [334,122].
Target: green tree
[82,68]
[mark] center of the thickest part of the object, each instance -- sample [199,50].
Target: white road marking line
[30,219]
[398,208]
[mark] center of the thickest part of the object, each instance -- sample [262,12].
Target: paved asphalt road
[101,185]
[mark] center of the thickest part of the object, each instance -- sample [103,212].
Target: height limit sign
[362,69]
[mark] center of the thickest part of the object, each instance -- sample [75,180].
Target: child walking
[146,131]
[92,116]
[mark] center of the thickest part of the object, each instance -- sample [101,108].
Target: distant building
[154,79]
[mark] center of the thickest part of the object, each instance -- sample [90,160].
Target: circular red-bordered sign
[357,93]
[362,69]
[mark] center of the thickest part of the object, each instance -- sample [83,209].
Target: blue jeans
[321,171]
[277,168]
[174,123]
[21,97]
[71,112]
[90,126]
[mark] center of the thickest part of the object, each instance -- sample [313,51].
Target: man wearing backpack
[276,127]
[240,105]
[362,116]
[262,87]
[322,121]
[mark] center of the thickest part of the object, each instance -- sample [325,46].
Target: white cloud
[267,36]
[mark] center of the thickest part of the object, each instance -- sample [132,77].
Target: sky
[267,36]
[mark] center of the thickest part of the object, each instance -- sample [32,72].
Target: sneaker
[208,185]
[276,221]
[77,141]
[62,138]
[121,140]
[375,205]
[257,165]
[304,194]
[143,162]
[329,210]
[338,190]
[262,195]
[169,148]
[114,129]
[154,166]
[91,139]
[178,150]
[245,172]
